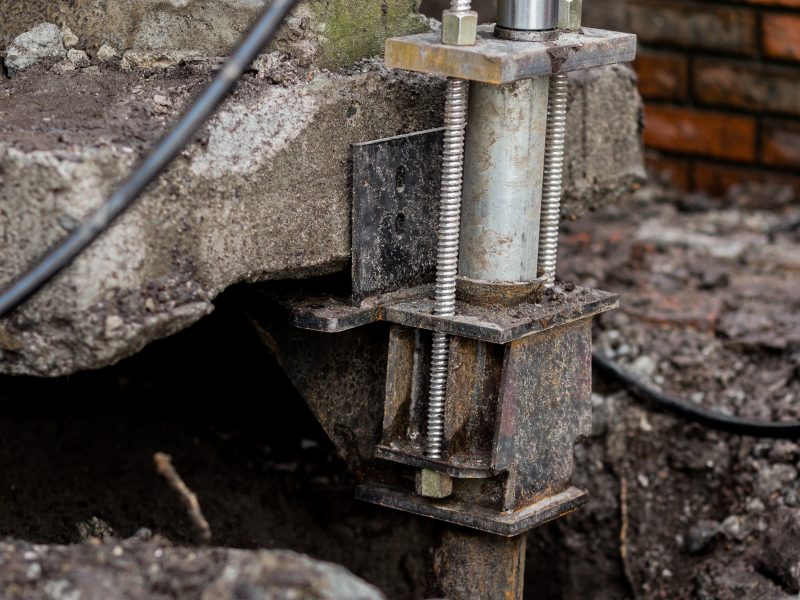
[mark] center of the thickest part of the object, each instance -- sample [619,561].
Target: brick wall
[721,79]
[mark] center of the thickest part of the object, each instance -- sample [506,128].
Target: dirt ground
[711,299]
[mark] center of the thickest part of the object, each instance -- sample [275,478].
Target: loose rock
[43,42]
[68,37]
[107,54]
[79,58]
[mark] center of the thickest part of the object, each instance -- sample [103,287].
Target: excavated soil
[711,298]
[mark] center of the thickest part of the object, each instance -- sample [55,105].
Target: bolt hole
[400,179]
[400,225]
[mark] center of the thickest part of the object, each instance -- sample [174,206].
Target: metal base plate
[414,308]
[476,517]
[500,325]
[496,61]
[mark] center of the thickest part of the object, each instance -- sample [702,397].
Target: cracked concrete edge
[264,194]
[334,33]
[113,570]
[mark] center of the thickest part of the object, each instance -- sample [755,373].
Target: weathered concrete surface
[337,32]
[43,42]
[156,571]
[262,194]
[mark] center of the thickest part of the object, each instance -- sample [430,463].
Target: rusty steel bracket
[518,367]
[514,413]
[497,61]
[519,380]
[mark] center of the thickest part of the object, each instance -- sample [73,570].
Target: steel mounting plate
[497,61]
[395,212]
[501,325]
[506,524]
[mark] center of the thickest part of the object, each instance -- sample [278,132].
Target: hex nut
[569,14]
[459,29]
[432,484]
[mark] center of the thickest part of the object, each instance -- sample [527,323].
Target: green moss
[356,29]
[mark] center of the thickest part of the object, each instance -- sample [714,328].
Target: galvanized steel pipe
[503,181]
[527,15]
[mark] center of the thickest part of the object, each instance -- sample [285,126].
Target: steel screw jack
[455,122]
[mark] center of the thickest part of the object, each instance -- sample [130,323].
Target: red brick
[789,3]
[674,170]
[662,76]
[747,85]
[706,133]
[780,143]
[695,25]
[781,35]
[718,179]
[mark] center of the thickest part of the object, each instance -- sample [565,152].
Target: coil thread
[455,122]
[553,177]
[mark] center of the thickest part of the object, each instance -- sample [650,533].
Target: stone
[107,54]
[79,58]
[158,61]
[262,194]
[781,557]
[701,537]
[114,571]
[604,109]
[41,43]
[775,478]
[68,37]
[64,66]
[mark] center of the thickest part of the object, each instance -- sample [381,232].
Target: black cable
[789,430]
[60,257]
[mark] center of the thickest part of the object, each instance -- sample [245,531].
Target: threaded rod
[553,177]
[455,122]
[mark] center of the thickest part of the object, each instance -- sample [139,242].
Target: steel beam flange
[498,61]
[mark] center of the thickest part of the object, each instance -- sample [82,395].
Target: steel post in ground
[472,565]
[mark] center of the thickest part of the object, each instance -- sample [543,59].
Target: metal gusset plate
[395,212]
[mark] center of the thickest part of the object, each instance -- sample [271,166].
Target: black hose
[60,257]
[789,430]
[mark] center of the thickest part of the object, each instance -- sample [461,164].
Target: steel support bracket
[519,381]
[497,61]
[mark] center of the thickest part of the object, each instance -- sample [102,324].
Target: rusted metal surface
[473,566]
[413,307]
[406,386]
[475,516]
[334,313]
[341,377]
[472,392]
[500,325]
[515,412]
[545,408]
[395,211]
[497,61]
[492,293]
